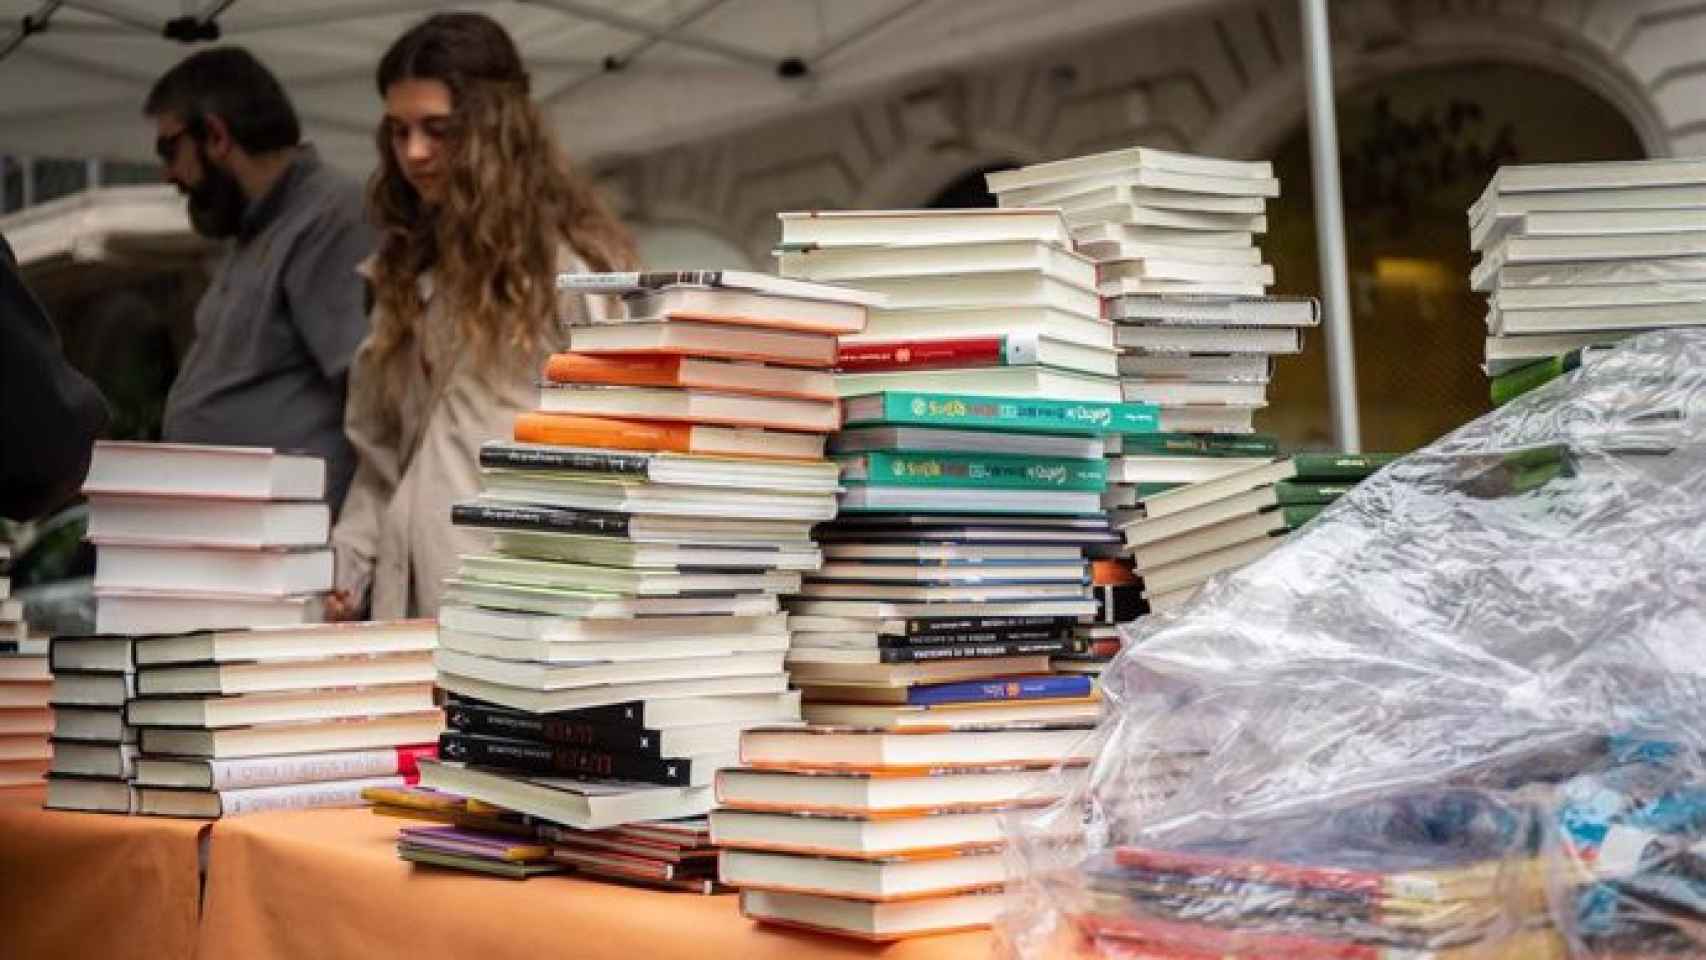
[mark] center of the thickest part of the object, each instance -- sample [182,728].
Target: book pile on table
[227,722]
[25,689]
[205,538]
[1188,534]
[1580,255]
[604,657]
[885,832]
[1399,877]
[1181,276]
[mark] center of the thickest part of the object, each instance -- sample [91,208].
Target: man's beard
[217,202]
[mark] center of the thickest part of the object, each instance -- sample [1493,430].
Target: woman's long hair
[510,198]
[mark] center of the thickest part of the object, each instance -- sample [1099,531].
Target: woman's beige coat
[421,456]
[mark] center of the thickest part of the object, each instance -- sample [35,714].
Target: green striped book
[882,468]
[1018,415]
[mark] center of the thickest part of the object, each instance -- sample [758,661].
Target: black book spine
[545,519]
[1032,635]
[555,759]
[568,731]
[631,713]
[970,651]
[564,460]
[924,627]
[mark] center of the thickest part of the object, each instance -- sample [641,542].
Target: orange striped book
[569,430]
[729,376]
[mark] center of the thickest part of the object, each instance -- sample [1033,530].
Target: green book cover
[1339,466]
[1296,515]
[1199,445]
[1015,414]
[1511,384]
[1293,492]
[973,470]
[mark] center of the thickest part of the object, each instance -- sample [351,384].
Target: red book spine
[921,354]
[408,758]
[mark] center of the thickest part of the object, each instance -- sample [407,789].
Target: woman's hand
[340,606]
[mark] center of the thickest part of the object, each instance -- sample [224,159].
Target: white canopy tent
[616,76]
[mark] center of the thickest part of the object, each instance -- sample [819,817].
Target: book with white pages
[944,593]
[1257,187]
[862,227]
[581,804]
[291,706]
[875,922]
[697,406]
[939,440]
[853,263]
[500,515]
[1068,571]
[1211,310]
[1138,468]
[893,793]
[1018,288]
[704,339]
[661,467]
[1166,268]
[1197,369]
[1587,223]
[1149,530]
[621,496]
[1604,295]
[1583,273]
[748,281]
[203,522]
[615,552]
[1207,418]
[553,601]
[953,716]
[573,630]
[1121,189]
[215,570]
[275,676]
[1121,161]
[895,880]
[1177,340]
[1203,540]
[914,499]
[1594,175]
[546,677]
[1032,381]
[1004,320]
[1517,250]
[155,611]
[1127,286]
[656,706]
[1197,569]
[664,582]
[888,610]
[271,643]
[951,552]
[1504,354]
[1491,216]
[1632,317]
[191,470]
[1173,394]
[613,651]
[310,737]
[1124,215]
[1106,240]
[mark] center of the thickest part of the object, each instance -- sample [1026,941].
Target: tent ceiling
[617,76]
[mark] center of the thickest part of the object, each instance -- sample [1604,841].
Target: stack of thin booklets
[205,538]
[1332,887]
[1188,534]
[1580,255]
[886,831]
[226,722]
[25,690]
[604,657]
[475,837]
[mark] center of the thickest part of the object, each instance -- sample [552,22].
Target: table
[328,884]
[96,885]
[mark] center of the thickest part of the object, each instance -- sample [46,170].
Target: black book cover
[566,730]
[973,651]
[561,760]
[602,523]
[991,636]
[1120,603]
[563,460]
[938,626]
[631,713]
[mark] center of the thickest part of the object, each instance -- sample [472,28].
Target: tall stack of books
[1181,276]
[94,748]
[243,721]
[1188,534]
[603,659]
[1576,256]
[25,688]
[893,828]
[206,538]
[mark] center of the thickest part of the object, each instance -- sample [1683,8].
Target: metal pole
[1330,227]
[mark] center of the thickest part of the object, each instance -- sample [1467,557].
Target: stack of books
[604,657]
[26,684]
[1182,278]
[1190,533]
[94,747]
[1580,255]
[887,832]
[206,538]
[244,721]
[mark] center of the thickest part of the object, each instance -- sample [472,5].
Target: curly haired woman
[478,211]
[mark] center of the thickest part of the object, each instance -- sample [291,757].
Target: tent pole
[1330,227]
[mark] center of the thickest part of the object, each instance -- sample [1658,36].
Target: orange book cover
[1104,573]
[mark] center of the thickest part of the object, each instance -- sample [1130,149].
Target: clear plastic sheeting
[1459,715]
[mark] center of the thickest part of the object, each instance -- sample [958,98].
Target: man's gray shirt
[277,329]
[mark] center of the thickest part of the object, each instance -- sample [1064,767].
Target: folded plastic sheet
[1460,714]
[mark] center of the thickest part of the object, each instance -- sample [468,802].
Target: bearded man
[278,326]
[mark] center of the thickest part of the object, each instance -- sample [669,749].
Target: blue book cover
[1008,688]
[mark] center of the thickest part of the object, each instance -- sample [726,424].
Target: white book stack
[25,689]
[1577,255]
[603,658]
[94,749]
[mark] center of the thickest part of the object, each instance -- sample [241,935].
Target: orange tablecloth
[327,884]
[95,885]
